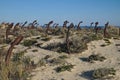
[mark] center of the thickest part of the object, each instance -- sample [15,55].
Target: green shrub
[96,57]
[95,37]
[107,41]
[47,56]
[42,62]
[2,41]
[17,70]
[103,45]
[34,32]
[64,67]
[116,38]
[103,73]
[29,42]
[27,61]
[17,57]
[57,61]
[61,36]
[8,40]
[58,31]
[46,38]
[77,43]
[58,47]
[35,50]
[63,57]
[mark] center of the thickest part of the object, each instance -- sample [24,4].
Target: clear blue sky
[61,10]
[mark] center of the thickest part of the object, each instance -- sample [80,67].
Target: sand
[47,72]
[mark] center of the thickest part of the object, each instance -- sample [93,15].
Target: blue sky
[61,10]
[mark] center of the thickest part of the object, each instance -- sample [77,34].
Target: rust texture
[67,38]
[78,27]
[15,27]
[96,28]
[48,26]
[91,24]
[24,24]
[105,32]
[119,31]
[8,30]
[65,24]
[9,52]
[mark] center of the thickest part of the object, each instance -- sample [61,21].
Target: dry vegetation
[17,66]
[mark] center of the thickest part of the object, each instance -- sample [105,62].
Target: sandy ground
[47,72]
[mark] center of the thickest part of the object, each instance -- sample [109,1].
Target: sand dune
[47,72]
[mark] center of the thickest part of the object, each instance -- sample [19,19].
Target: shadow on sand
[87,75]
[84,59]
